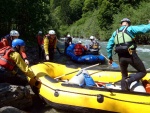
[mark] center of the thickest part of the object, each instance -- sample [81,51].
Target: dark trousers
[51,54]
[66,46]
[135,62]
[41,52]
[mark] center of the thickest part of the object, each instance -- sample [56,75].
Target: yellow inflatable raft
[56,90]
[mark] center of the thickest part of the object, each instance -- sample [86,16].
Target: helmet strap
[17,49]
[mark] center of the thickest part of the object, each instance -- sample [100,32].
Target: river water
[142,50]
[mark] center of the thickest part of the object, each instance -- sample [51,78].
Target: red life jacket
[79,49]
[3,43]
[5,60]
[39,39]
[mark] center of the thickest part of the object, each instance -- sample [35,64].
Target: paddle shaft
[76,71]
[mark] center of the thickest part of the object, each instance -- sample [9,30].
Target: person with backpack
[11,60]
[94,46]
[125,46]
[7,41]
[50,43]
[39,38]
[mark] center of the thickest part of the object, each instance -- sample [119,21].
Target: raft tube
[85,58]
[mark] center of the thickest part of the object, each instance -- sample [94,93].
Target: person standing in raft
[50,43]
[124,41]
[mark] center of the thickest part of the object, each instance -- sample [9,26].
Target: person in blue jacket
[124,41]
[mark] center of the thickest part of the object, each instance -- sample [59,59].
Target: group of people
[12,51]
[13,55]
[93,47]
[47,45]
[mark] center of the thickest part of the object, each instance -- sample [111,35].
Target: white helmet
[51,32]
[92,37]
[68,35]
[79,42]
[40,32]
[14,33]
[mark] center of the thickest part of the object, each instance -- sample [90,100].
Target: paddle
[113,65]
[76,71]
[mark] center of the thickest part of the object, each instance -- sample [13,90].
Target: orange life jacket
[3,43]
[79,49]
[5,60]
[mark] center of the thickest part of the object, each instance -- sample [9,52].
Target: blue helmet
[126,20]
[18,42]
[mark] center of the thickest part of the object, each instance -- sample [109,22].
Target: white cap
[51,32]
[92,37]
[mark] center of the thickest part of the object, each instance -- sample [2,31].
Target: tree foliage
[78,17]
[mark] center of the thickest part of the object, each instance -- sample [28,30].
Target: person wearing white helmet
[94,46]
[68,41]
[92,37]
[39,38]
[14,34]
[10,37]
[50,43]
[123,39]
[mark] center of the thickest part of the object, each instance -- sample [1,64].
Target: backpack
[88,80]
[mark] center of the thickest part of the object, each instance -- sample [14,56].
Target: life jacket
[68,41]
[8,38]
[95,45]
[1,44]
[5,60]
[78,49]
[51,41]
[6,41]
[39,39]
[123,41]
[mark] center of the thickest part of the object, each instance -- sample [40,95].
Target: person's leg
[51,54]
[139,66]
[42,54]
[66,45]
[123,66]
[39,48]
